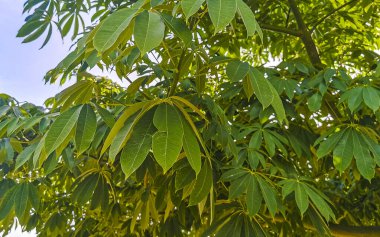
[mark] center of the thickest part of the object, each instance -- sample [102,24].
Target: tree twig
[330,14]
[280,30]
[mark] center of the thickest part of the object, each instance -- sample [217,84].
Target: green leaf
[302,199]
[355,98]
[364,162]
[233,174]
[371,98]
[190,7]
[202,185]
[61,128]
[254,197]
[138,146]
[86,128]
[248,18]
[191,147]
[107,117]
[344,152]
[21,199]
[112,27]
[278,106]
[7,202]
[238,186]
[269,195]
[261,87]
[237,70]
[255,141]
[149,31]
[167,142]
[221,12]
[118,142]
[319,203]
[314,103]
[184,177]
[329,144]
[179,28]
[25,155]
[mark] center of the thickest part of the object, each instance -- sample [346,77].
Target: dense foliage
[207,139]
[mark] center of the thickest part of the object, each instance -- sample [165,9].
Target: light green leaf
[191,146]
[237,70]
[112,28]
[86,128]
[190,7]
[149,31]
[120,124]
[302,199]
[344,152]
[7,202]
[202,185]
[61,128]
[167,142]
[138,146]
[364,161]
[25,155]
[179,28]
[248,18]
[221,12]
[371,98]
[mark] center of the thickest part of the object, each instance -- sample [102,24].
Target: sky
[23,66]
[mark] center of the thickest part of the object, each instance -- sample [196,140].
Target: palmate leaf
[61,129]
[149,31]
[168,140]
[221,12]
[344,151]
[138,146]
[112,27]
[302,199]
[254,197]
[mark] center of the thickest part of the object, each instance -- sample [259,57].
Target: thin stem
[280,29]
[330,14]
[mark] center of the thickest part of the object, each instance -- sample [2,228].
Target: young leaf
[149,31]
[61,129]
[190,7]
[221,12]
[202,185]
[112,27]
[86,128]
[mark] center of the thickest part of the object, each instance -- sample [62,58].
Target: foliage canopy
[207,139]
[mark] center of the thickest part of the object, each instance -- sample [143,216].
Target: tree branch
[310,46]
[330,14]
[280,30]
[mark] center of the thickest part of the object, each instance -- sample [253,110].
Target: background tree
[206,139]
